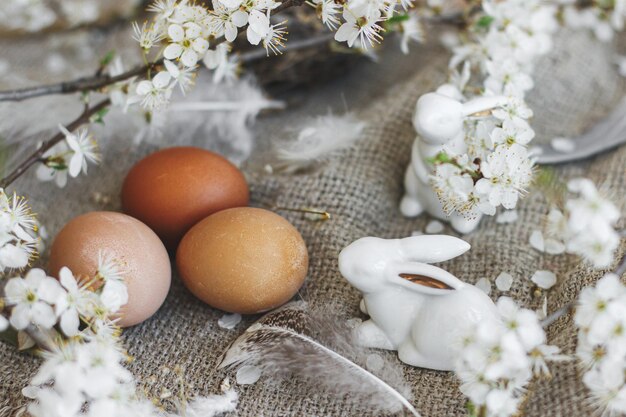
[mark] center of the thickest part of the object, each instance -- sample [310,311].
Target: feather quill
[287,342]
[317,138]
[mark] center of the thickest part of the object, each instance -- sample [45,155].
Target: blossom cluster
[498,360]
[87,375]
[600,318]
[495,167]
[603,18]
[44,302]
[182,31]
[18,233]
[585,227]
[69,156]
[188,34]
[83,373]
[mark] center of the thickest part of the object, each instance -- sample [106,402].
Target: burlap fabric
[361,187]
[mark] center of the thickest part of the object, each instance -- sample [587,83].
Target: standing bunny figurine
[439,119]
[414,308]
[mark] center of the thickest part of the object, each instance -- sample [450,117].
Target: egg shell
[138,249]
[173,189]
[243,260]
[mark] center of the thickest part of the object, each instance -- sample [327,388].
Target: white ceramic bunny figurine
[414,308]
[439,119]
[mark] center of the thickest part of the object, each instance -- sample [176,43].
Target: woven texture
[361,187]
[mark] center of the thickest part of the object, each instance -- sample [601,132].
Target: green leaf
[440,158]
[397,19]
[107,58]
[98,117]
[484,22]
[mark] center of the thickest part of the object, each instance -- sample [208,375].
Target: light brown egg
[243,260]
[173,189]
[138,250]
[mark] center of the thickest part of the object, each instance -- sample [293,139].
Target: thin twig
[619,271]
[99,80]
[93,83]
[47,145]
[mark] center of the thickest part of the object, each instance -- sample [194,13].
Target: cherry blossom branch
[47,145]
[99,80]
[619,271]
[92,83]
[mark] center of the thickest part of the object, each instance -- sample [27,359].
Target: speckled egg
[243,260]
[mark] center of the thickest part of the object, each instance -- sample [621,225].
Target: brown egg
[243,260]
[173,189]
[140,252]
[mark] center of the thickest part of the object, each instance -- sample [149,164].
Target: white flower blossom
[601,320]
[187,44]
[586,226]
[328,11]
[183,77]
[75,302]
[507,173]
[498,359]
[83,149]
[224,66]
[114,291]
[363,28]
[146,36]
[31,298]
[155,93]
[411,30]
[55,167]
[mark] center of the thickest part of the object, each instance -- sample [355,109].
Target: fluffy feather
[318,348]
[318,138]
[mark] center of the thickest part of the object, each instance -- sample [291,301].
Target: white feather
[318,138]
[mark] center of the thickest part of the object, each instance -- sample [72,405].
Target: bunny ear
[432,248]
[482,104]
[423,278]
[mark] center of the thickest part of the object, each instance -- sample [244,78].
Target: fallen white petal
[374,362]
[536,240]
[434,226]
[504,281]
[544,279]
[484,285]
[30,391]
[554,246]
[248,374]
[508,216]
[563,145]
[229,321]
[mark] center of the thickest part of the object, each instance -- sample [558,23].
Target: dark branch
[47,145]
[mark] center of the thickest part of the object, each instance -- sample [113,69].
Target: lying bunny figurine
[414,308]
[439,119]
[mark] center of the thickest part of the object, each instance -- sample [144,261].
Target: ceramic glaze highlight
[415,308]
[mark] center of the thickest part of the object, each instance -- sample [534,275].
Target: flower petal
[70,322]
[172,51]
[176,32]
